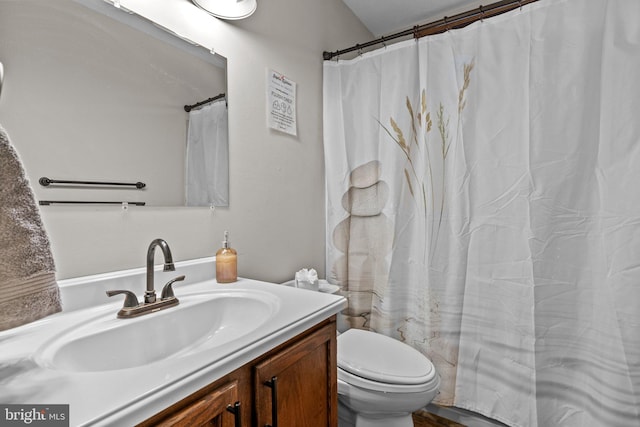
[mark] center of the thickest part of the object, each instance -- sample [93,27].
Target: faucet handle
[130,300]
[167,290]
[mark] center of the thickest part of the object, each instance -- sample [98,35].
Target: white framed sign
[281,103]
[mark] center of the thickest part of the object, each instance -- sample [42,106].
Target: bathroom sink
[200,322]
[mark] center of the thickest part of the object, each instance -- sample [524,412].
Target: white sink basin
[200,322]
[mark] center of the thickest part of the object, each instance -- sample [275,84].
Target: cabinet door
[297,386]
[215,409]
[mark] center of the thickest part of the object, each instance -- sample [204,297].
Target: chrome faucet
[167,299]
[150,293]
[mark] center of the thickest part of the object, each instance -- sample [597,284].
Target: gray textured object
[28,288]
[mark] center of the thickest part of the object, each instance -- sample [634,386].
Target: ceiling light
[228,9]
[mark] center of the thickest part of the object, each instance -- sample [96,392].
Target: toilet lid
[380,358]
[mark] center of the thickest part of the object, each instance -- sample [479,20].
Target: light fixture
[227,9]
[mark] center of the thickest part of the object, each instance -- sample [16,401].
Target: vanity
[248,353]
[291,385]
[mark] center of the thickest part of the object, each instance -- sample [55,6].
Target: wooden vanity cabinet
[293,385]
[297,385]
[216,408]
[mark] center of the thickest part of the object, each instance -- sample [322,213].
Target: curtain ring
[481,13]
[446,25]
[520,3]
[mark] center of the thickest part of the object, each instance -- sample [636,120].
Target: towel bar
[45,182]
[80,202]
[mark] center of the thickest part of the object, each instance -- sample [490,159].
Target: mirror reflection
[93,93]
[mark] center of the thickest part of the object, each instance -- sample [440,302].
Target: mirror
[94,93]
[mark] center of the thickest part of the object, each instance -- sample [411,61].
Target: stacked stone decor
[365,239]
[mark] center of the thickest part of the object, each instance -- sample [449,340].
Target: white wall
[276,213]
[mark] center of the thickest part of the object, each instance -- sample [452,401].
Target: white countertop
[129,396]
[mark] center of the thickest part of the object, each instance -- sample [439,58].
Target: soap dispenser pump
[226,262]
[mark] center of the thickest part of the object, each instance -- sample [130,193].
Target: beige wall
[276,213]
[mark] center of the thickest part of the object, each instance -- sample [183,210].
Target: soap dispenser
[226,262]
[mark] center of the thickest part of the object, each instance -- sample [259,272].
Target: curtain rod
[440,26]
[188,108]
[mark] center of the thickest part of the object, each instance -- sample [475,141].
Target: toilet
[381,381]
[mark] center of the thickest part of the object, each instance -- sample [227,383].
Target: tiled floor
[425,419]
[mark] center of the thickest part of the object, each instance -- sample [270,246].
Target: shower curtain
[207,168]
[483,207]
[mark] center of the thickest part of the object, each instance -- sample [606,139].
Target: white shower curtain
[483,207]
[207,168]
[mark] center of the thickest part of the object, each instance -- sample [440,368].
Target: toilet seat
[377,362]
[353,380]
